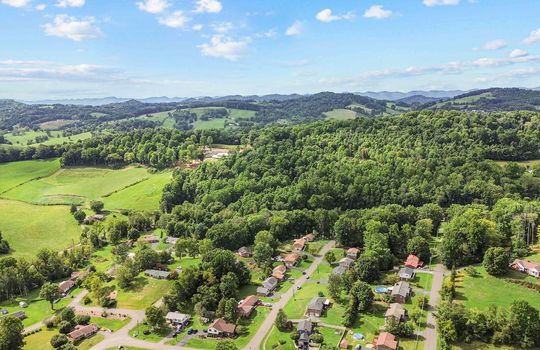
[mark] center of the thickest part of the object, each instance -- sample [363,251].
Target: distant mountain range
[382,95]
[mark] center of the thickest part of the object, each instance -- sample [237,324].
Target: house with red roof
[246,306]
[386,341]
[526,266]
[413,262]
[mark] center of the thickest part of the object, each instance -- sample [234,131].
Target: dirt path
[259,337]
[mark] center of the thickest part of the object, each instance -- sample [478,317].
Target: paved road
[259,337]
[430,333]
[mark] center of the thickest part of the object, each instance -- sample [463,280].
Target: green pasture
[340,114]
[144,195]
[76,185]
[29,228]
[16,173]
[55,137]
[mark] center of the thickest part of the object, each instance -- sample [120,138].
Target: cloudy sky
[141,48]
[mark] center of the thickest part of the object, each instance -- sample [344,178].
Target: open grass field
[15,173]
[275,339]
[55,124]
[218,123]
[485,290]
[50,227]
[76,185]
[109,323]
[144,195]
[340,114]
[55,138]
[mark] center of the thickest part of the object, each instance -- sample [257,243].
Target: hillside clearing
[50,227]
[16,173]
[340,114]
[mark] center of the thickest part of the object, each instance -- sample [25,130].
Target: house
[66,286]
[98,217]
[299,245]
[220,328]
[413,262]
[386,341]
[339,270]
[397,312]
[406,273]
[526,266]
[150,239]
[400,292]
[171,240]
[317,306]
[268,286]
[352,253]
[246,306]
[177,319]
[21,315]
[346,263]
[157,274]
[245,252]
[279,272]
[310,237]
[290,260]
[82,332]
[305,329]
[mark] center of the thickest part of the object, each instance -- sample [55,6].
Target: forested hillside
[491,100]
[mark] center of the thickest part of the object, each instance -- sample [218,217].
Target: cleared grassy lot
[485,290]
[16,173]
[50,227]
[55,138]
[76,185]
[340,114]
[144,195]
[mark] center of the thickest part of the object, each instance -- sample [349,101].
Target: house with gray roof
[317,306]
[339,270]
[406,273]
[305,329]
[346,263]
[157,274]
[268,286]
[400,292]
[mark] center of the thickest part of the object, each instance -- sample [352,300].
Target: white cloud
[533,37]
[223,27]
[153,6]
[16,3]
[70,3]
[197,27]
[493,45]
[440,2]
[41,7]
[295,29]
[327,16]
[518,53]
[65,26]
[177,19]
[377,12]
[268,34]
[227,48]
[208,6]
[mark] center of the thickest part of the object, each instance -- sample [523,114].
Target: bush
[67,315]
[471,271]
[86,300]
[50,323]
[58,340]
[316,338]
[82,319]
[79,215]
[422,302]
[64,327]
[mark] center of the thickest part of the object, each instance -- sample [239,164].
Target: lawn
[218,123]
[340,114]
[332,336]
[40,340]
[153,336]
[282,338]
[38,310]
[485,290]
[145,292]
[16,173]
[109,323]
[76,185]
[51,227]
[535,257]
[144,195]
[422,280]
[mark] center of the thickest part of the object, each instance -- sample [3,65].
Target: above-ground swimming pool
[381,290]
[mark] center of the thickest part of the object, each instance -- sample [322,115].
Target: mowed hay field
[29,228]
[144,195]
[76,185]
[16,173]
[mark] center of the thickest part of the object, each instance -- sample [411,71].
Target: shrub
[58,340]
[316,338]
[64,327]
[82,319]
[86,300]
[471,271]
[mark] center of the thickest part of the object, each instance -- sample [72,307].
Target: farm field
[76,185]
[340,114]
[55,138]
[144,195]
[485,290]
[16,173]
[51,227]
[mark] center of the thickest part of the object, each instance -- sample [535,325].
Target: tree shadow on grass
[138,284]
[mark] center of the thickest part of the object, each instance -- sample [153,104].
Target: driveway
[259,337]
[430,333]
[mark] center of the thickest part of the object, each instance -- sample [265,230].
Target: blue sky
[141,48]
